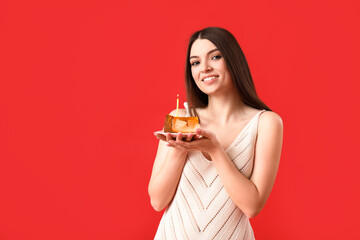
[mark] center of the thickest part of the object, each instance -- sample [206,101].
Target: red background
[83,84]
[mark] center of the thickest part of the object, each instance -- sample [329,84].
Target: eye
[216,57]
[194,63]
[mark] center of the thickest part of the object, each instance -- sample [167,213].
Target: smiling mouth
[209,78]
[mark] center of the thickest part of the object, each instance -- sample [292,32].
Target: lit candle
[177,105]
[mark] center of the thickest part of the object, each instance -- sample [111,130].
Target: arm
[250,195]
[167,169]
[165,176]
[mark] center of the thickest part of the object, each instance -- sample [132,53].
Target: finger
[197,136]
[170,143]
[189,137]
[200,131]
[183,144]
[174,144]
[177,145]
[160,136]
[204,133]
[179,137]
[168,137]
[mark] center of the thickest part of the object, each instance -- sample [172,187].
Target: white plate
[174,134]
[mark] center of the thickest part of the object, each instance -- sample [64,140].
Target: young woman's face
[208,68]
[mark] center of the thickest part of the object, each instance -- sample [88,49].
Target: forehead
[201,47]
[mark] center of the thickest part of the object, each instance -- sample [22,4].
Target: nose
[206,67]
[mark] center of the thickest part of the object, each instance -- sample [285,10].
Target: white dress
[201,208]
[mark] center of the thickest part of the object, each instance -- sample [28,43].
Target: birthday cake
[181,124]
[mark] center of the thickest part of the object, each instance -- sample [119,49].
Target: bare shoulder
[181,113]
[270,137]
[270,120]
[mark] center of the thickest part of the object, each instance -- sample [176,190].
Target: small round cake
[181,124]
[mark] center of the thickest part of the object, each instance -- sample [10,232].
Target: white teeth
[209,78]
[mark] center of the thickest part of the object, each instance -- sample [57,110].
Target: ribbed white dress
[201,208]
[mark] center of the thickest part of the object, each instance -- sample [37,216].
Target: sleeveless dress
[201,208]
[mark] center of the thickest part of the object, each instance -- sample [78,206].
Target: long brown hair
[236,63]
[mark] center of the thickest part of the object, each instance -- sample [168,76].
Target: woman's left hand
[207,143]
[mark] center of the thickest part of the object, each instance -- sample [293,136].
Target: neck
[224,107]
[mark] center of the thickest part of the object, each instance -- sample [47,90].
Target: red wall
[83,84]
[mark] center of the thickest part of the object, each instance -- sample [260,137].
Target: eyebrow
[210,52]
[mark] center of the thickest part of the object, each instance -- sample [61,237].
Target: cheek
[194,74]
[221,66]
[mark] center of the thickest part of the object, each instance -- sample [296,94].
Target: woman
[212,185]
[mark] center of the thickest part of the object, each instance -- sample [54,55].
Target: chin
[209,90]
